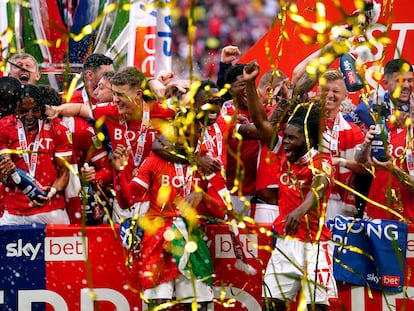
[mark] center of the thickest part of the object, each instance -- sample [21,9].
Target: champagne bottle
[27,184]
[379,143]
[90,205]
[352,79]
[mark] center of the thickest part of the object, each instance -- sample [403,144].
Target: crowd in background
[239,23]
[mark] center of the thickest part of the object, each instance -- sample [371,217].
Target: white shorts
[241,205]
[182,289]
[264,213]
[119,214]
[285,272]
[59,216]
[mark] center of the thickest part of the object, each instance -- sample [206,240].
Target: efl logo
[391,280]
[224,245]
[65,249]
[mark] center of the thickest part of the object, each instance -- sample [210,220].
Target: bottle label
[350,75]
[352,80]
[90,206]
[28,190]
[347,66]
[16,178]
[378,148]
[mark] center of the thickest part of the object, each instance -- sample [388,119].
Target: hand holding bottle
[6,165]
[379,143]
[41,199]
[383,165]
[88,173]
[90,206]
[25,182]
[370,134]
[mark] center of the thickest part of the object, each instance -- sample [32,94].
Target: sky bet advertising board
[45,268]
[57,268]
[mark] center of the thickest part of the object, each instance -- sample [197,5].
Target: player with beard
[393,75]
[94,66]
[392,185]
[397,103]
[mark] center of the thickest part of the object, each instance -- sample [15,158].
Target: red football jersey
[127,133]
[244,151]
[267,175]
[294,184]
[167,184]
[54,141]
[87,147]
[386,189]
[156,173]
[212,143]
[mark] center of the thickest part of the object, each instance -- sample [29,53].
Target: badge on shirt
[327,168]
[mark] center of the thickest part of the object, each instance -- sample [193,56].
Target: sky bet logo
[224,245]
[55,249]
[386,280]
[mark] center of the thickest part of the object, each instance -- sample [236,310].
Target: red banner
[72,281]
[284,52]
[47,265]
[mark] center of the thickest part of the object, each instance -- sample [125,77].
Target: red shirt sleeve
[130,192]
[215,201]
[63,138]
